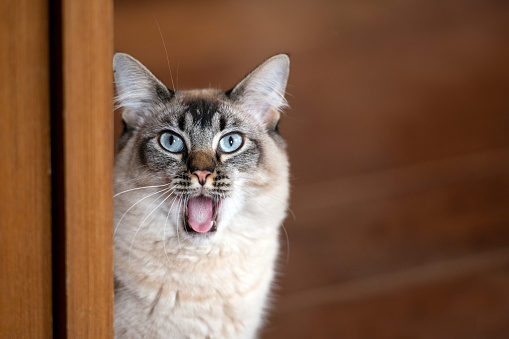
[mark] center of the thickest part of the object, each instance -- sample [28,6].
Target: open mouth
[201,214]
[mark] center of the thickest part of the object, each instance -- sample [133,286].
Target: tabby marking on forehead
[202,111]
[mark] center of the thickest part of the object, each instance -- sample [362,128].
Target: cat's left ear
[261,93]
[137,88]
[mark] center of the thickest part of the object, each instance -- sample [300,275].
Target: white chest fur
[213,291]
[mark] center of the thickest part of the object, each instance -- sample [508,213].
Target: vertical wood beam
[25,172]
[83,122]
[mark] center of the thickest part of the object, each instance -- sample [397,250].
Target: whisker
[141,176]
[178,211]
[139,227]
[178,66]
[227,208]
[165,51]
[283,227]
[164,231]
[287,244]
[184,201]
[279,200]
[139,188]
[178,236]
[164,237]
[136,203]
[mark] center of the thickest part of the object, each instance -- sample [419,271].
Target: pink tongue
[200,214]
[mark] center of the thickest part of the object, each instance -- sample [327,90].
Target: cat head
[208,152]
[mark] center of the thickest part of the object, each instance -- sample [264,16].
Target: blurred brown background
[398,135]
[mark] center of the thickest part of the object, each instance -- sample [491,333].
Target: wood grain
[25,182]
[472,304]
[87,167]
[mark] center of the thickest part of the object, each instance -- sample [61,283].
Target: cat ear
[262,92]
[137,89]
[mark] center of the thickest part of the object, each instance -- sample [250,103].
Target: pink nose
[202,175]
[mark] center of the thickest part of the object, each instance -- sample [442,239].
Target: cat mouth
[201,214]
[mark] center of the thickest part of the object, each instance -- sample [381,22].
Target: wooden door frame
[82,117]
[25,187]
[56,195]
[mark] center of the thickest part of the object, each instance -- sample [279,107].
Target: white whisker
[177,226]
[141,177]
[139,188]
[164,230]
[139,227]
[282,226]
[136,203]
[279,200]
[178,211]
[184,202]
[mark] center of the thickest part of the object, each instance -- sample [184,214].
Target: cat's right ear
[261,93]
[137,89]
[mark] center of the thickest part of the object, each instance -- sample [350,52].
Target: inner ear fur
[137,89]
[261,92]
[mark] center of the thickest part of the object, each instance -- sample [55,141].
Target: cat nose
[202,175]
[201,163]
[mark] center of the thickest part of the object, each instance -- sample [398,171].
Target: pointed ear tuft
[137,89]
[261,93]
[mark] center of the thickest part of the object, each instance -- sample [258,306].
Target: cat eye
[171,142]
[231,142]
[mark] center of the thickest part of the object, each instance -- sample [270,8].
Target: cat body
[201,183]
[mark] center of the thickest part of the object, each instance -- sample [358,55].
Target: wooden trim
[83,157]
[25,188]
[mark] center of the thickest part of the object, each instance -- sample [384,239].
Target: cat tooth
[217,204]
[186,211]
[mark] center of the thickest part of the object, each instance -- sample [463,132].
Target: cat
[201,183]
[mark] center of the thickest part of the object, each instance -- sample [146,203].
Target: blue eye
[230,143]
[171,142]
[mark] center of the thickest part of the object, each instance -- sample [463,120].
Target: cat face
[208,151]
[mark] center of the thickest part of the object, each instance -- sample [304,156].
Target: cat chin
[200,239]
